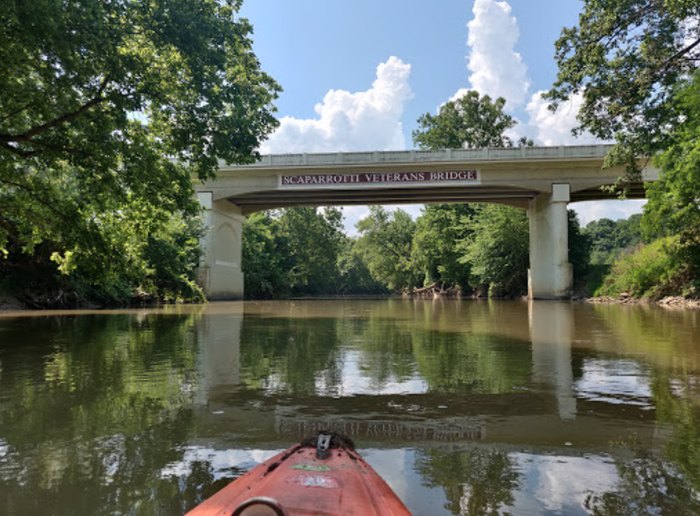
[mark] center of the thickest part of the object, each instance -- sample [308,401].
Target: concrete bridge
[541,180]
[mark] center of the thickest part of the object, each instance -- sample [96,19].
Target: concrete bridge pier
[220,274]
[550,275]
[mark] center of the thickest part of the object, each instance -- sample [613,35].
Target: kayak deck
[300,481]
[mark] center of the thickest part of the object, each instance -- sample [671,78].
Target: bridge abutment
[220,274]
[550,275]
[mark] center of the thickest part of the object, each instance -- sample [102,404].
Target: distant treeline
[463,249]
[451,249]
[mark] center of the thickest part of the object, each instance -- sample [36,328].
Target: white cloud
[359,121]
[589,211]
[561,483]
[351,121]
[497,70]
[554,128]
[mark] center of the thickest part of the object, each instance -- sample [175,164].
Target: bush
[650,271]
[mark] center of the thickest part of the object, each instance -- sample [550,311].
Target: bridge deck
[512,176]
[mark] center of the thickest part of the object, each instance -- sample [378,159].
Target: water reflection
[464,407]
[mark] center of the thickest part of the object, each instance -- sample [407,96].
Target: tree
[354,275]
[498,250]
[674,201]
[313,239]
[579,247]
[609,239]
[636,64]
[471,122]
[438,229]
[292,251]
[264,263]
[107,110]
[625,57]
[385,245]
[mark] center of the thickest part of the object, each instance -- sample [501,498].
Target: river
[464,407]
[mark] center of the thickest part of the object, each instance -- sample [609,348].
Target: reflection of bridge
[542,180]
[546,412]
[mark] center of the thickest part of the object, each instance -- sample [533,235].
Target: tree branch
[67,117]
[35,194]
[15,112]
[19,152]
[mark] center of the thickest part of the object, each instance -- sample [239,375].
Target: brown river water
[464,407]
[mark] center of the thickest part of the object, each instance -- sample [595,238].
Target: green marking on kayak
[311,467]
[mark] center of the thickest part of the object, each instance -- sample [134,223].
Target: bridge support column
[219,273]
[550,275]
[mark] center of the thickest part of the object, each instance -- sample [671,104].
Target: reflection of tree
[91,411]
[289,355]
[298,354]
[476,480]
[677,402]
[387,351]
[647,485]
[453,362]
[660,335]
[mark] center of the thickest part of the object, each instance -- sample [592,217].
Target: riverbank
[10,304]
[672,302]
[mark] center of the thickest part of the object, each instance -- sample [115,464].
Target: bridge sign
[425,178]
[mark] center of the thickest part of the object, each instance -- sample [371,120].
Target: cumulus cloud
[554,128]
[588,211]
[347,121]
[496,68]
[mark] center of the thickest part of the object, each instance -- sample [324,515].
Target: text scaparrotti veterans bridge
[376,178]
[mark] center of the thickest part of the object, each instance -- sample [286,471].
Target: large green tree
[438,229]
[293,251]
[313,239]
[264,263]
[674,201]
[625,57]
[385,244]
[636,64]
[471,121]
[107,110]
[609,239]
[498,250]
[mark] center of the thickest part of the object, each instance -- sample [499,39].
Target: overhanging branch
[60,120]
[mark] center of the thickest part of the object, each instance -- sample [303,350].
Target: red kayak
[323,475]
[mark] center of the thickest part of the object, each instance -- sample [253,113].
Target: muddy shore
[671,302]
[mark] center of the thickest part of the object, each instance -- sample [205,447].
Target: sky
[357,75]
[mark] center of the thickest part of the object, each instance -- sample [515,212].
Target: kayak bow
[323,475]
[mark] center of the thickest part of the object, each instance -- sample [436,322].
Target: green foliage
[385,244]
[674,201]
[355,277]
[579,247]
[625,57]
[469,122]
[610,239]
[313,239]
[264,263]
[649,271]
[107,110]
[498,250]
[636,64]
[438,229]
[292,252]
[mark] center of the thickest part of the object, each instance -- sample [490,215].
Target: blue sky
[357,75]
